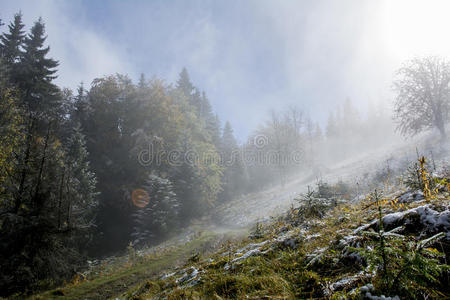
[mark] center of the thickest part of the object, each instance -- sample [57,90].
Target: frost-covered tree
[423,95]
[80,183]
[159,215]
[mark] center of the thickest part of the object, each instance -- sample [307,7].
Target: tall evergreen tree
[11,45]
[184,83]
[233,176]
[331,129]
[37,72]
[81,182]
[196,101]
[142,81]
[212,122]
[80,107]
[159,216]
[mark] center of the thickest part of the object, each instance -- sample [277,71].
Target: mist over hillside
[126,134]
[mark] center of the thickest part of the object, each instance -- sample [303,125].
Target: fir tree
[184,83]
[159,216]
[142,81]
[11,45]
[331,129]
[81,182]
[233,176]
[37,72]
[80,107]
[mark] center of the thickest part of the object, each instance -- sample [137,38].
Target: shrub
[403,265]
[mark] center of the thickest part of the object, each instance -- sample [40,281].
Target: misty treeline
[71,161]
[294,142]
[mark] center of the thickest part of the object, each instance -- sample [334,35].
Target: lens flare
[140,198]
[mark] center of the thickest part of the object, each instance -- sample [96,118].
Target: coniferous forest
[121,164]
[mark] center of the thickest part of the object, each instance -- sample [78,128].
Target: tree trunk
[24,171]
[37,201]
[61,187]
[439,122]
[441,126]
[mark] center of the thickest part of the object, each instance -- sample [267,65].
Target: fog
[253,55]
[130,125]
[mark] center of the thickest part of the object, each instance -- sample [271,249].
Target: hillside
[323,243]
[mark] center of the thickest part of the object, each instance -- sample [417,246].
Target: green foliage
[47,188]
[412,178]
[11,138]
[11,46]
[160,215]
[418,177]
[40,94]
[403,265]
[316,202]
[257,232]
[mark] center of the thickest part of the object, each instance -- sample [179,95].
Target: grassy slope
[117,282]
[282,272]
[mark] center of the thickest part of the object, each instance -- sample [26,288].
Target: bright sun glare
[417,27]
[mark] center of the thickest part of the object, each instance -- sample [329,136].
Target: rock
[249,253]
[411,196]
[288,240]
[189,274]
[312,236]
[422,219]
[165,276]
[246,255]
[348,283]
[315,256]
[251,246]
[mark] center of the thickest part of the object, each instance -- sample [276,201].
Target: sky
[248,56]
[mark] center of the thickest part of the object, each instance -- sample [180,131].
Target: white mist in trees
[160,215]
[331,128]
[275,148]
[233,179]
[309,130]
[423,95]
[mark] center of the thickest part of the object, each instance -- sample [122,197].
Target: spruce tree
[159,216]
[142,81]
[331,129]
[196,101]
[37,72]
[81,182]
[80,107]
[184,83]
[212,122]
[233,175]
[11,46]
